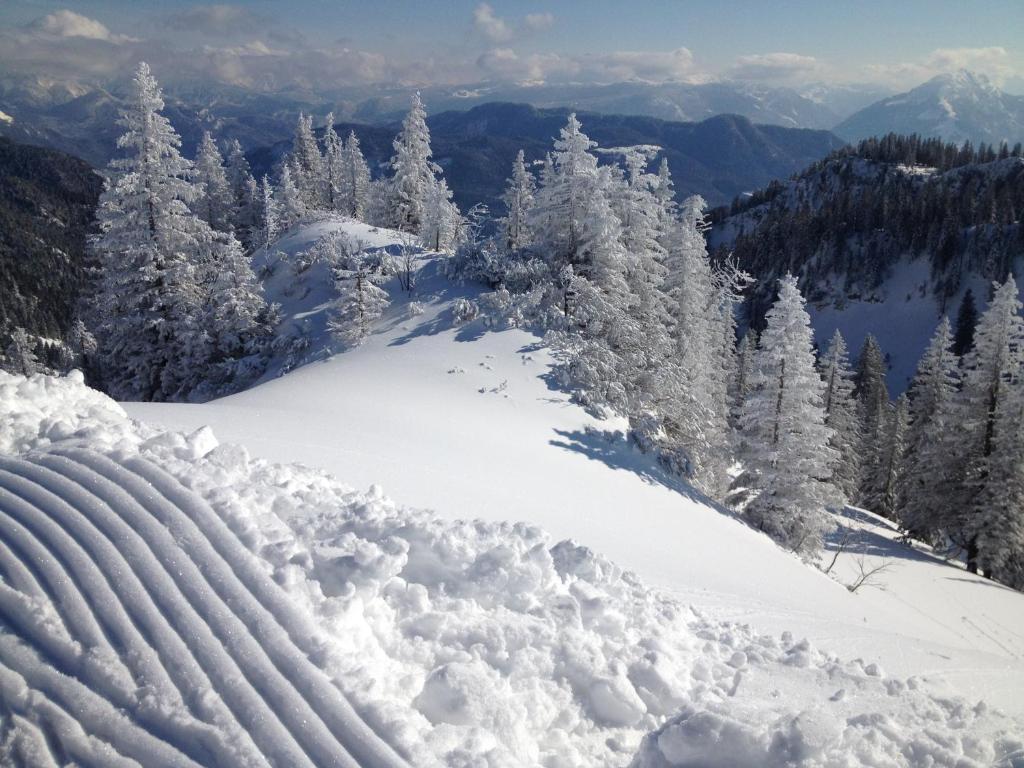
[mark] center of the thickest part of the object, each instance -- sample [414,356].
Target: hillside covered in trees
[47,207]
[844,224]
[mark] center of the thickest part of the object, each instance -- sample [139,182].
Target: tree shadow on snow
[872,543]
[613,449]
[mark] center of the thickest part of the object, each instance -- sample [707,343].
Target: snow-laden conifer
[992,373]
[216,200]
[786,452]
[19,356]
[930,477]
[842,415]
[518,199]
[361,300]
[413,172]
[354,191]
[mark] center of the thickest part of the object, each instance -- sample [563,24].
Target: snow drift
[166,600]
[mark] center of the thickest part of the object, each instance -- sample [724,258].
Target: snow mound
[169,600]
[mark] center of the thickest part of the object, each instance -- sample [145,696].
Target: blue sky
[261,43]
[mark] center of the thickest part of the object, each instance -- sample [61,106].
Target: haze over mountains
[78,118]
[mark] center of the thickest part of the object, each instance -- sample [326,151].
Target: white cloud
[616,66]
[218,20]
[67,23]
[490,25]
[495,29]
[994,61]
[648,66]
[536,22]
[779,66]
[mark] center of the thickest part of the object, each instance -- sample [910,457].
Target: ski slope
[166,599]
[460,419]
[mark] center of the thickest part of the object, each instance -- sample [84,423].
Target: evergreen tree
[413,172]
[841,415]
[567,195]
[82,344]
[355,180]
[307,165]
[518,199]
[291,205]
[333,165]
[245,191]
[441,222]
[991,371]
[270,214]
[999,515]
[151,342]
[361,301]
[746,352]
[873,399]
[19,357]
[216,200]
[786,453]
[966,320]
[696,411]
[930,480]
[893,455]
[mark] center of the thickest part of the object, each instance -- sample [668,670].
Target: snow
[623,605]
[256,613]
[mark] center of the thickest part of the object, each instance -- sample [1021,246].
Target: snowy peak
[957,106]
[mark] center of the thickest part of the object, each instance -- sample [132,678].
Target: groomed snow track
[138,629]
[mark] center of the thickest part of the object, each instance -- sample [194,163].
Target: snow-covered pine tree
[333,163]
[893,458]
[665,192]
[992,369]
[81,343]
[290,203]
[270,214]
[360,303]
[842,415]
[245,191]
[441,222]
[216,201]
[875,409]
[565,198]
[930,480]
[999,516]
[695,410]
[966,320]
[413,173]
[19,356]
[151,342]
[746,352]
[307,164]
[518,199]
[236,314]
[602,338]
[355,185]
[786,453]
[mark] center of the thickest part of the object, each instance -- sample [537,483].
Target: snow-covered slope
[957,107]
[168,601]
[461,419]
[180,602]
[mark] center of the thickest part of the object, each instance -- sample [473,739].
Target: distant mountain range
[79,118]
[718,158]
[956,107]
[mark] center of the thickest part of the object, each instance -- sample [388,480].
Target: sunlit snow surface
[457,643]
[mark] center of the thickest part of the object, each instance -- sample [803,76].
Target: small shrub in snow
[465,311]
